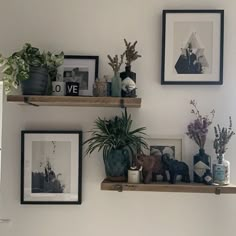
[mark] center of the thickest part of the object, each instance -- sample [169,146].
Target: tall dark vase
[37,84]
[128,74]
[201,163]
[117,163]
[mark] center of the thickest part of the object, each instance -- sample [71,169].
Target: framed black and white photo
[192,46]
[172,145]
[51,167]
[81,69]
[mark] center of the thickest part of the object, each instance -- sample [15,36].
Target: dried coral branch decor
[115,64]
[128,77]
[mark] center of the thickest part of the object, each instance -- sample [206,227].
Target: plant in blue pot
[197,130]
[30,68]
[119,143]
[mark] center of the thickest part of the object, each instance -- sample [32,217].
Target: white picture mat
[176,141]
[170,43]
[29,138]
[89,64]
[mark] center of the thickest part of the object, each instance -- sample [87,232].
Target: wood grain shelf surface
[166,187]
[75,101]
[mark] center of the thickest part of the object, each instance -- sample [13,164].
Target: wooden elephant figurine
[176,168]
[151,166]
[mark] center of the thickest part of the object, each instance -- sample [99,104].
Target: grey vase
[37,84]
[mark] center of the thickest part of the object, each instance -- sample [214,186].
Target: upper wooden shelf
[75,101]
[166,187]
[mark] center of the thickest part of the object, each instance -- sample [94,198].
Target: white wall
[98,27]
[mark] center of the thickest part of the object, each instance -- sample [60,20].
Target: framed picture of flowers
[192,46]
[51,167]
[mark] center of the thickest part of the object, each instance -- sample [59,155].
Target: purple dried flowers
[198,129]
[222,137]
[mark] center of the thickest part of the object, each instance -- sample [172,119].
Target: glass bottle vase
[201,163]
[221,171]
[128,75]
[116,85]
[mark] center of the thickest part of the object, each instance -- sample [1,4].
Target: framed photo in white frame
[51,167]
[159,145]
[192,47]
[81,69]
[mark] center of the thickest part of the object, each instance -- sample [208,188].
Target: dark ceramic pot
[37,84]
[117,163]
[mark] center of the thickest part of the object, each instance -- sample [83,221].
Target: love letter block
[72,89]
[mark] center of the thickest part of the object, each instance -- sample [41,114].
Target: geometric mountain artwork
[192,59]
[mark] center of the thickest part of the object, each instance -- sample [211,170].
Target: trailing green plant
[17,66]
[116,134]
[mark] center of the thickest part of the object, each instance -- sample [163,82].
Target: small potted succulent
[30,68]
[128,77]
[197,131]
[120,143]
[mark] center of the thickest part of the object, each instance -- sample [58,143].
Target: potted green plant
[119,143]
[33,69]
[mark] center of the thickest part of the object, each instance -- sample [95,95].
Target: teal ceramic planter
[117,163]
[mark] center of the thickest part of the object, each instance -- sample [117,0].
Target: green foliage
[16,67]
[116,134]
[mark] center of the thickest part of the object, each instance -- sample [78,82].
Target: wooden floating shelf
[75,101]
[166,187]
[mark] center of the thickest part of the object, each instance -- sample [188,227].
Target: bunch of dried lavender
[115,63]
[222,137]
[130,53]
[198,129]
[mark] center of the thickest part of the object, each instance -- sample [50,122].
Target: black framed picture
[81,69]
[192,46]
[51,167]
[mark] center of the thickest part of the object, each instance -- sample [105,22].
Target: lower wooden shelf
[166,187]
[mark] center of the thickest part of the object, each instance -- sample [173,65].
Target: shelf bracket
[122,103]
[218,191]
[118,187]
[26,100]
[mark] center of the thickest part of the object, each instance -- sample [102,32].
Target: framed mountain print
[192,47]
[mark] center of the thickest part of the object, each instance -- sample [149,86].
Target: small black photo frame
[51,167]
[192,47]
[81,69]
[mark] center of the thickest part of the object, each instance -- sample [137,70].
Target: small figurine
[176,168]
[151,166]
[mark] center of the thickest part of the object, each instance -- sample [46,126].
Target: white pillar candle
[133,176]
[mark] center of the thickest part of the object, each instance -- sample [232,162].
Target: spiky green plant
[116,134]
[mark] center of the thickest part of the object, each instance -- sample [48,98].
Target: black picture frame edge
[80,133]
[164,12]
